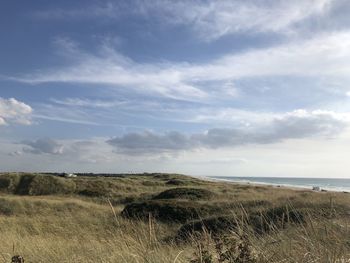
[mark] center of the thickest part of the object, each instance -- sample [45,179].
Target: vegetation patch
[175,182]
[276,218]
[186,193]
[8,208]
[214,226]
[9,182]
[167,210]
[46,184]
[35,184]
[95,188]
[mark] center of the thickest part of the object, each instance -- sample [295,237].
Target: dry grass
[76,228]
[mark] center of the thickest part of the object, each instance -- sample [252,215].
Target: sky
[226,88]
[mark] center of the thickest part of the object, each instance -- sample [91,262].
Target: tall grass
[69,227]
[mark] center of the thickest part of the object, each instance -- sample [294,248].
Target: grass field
[135,218]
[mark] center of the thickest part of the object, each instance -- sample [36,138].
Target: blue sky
[246,88]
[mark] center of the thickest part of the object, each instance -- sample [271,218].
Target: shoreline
[274,185]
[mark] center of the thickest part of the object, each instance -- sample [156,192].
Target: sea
[329,184]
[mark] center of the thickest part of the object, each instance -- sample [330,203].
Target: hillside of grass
[159,218]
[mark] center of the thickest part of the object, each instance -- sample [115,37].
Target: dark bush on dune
[276,218]
[213,225]
[162,176]
[166,210]
[175,182]
[95,188]
[91,193]
[9,182]
[23,186]
[44,185]
[185,193]
[259,223]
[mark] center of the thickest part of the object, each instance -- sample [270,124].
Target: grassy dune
[135,218]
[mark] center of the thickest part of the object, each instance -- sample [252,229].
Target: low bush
[9,182]
[96,187]
[9,207]
[92,193]
[214,226]
[37,184]
[276,218]
[185,193]
[46,185]
[175,182]
[166,210]
[23,186]
[259,223]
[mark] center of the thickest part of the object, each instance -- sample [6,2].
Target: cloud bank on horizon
[256,88]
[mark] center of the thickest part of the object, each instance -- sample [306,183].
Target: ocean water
[330,184]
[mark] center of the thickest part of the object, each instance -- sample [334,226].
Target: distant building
[69,175]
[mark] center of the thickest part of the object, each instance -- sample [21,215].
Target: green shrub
[9,182]
[46,185]
[92,193]
[233,248]
[214,225]
[166,210]
[276,218]
[37,184]
[175,182]
[152,183]
[23,186]
[100,187]
[185,193]
[8,207]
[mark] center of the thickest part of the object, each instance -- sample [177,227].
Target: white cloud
[149,142]
[43,146]
[14,111]
[15,153]
[298,124]
[303,158]
[93,150]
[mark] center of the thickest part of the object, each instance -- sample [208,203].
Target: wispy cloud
[46,111]
[209,19]
[80,102]
[324,55]
[214,19]
[111,68]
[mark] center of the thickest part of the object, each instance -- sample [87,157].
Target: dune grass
[58,225]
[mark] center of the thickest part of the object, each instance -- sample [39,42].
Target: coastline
[274,185]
